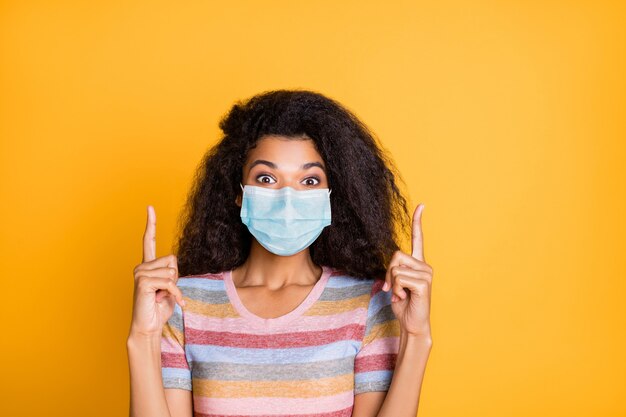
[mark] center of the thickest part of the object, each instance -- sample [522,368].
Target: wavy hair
[366,203]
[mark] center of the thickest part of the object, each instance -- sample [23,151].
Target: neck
[263,268]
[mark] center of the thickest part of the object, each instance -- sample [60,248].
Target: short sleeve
[174,367]
[376,359]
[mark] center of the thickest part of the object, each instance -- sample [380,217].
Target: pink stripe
[241,325]
[345,412]
[255,406]
[170,345]
[382,345]
[216,276]
[286,340]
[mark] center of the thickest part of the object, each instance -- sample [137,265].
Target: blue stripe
[378,301]
[342,281]
[372,376]
[310,354]
[207,284]
[175,373]
[336,281]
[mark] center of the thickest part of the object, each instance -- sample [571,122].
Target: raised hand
[155,286]
[409,277]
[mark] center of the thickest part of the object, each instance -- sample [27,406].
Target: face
[278,162]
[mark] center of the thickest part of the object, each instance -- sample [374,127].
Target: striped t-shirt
[342,340]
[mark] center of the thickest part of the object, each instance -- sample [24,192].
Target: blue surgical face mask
[285,220]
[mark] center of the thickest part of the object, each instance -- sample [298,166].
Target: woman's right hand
[155,286]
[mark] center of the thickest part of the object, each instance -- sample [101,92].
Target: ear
[238,200]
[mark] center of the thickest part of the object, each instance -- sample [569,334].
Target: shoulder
[365,291]
[368,290]
[339,280]
[200,283]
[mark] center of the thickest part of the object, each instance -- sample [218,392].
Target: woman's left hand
[410,280]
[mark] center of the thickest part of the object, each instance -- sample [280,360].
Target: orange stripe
[210,310]
[386,329]
[325,308]
[309,388]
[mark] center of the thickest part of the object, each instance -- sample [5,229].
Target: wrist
[413,347]
[139,339]
[422,338]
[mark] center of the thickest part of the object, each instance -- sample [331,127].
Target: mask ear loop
[241,186]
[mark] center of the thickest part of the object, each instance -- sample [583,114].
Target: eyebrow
[273,165]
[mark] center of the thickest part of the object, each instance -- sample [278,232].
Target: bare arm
[402,399]
[155,296]
[147,397]
[412,309]
[367,404]
[180,402]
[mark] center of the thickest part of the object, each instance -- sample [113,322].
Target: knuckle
[139,267]
[141,281]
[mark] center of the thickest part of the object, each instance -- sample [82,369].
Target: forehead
[284,152]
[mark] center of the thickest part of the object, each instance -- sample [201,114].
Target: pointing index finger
[149,237]
[417,236]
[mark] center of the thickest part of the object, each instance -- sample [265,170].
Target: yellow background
[506,118]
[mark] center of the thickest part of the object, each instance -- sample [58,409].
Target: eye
[312,178]
[265,176]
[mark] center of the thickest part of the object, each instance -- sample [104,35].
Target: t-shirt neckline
[311,298]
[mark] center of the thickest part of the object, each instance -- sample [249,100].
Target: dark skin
[271,286]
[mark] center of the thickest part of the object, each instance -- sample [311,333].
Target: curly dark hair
[366,203]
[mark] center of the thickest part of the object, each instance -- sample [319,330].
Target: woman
[289,294]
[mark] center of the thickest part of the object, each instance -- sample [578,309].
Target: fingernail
[385,286]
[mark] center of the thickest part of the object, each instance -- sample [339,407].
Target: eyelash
[267,175]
